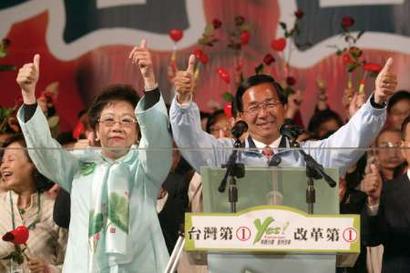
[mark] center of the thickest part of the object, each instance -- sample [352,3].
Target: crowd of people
[112,198]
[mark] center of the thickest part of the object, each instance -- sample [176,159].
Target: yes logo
[268,227]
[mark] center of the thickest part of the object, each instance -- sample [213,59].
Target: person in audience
[26,203]
[324,123]
[389,213]
[260,103]
[114,225]
[387,156]
[61,212]
[8,123]
[353,200]
[383,164]
[218,124]
[293,103]
[398,109]
[173,201]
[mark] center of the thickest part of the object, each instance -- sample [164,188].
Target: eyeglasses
[124,121]
[267,105]
[388,145]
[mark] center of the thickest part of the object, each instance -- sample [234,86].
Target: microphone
[275,160]
[239,128]
[290,130]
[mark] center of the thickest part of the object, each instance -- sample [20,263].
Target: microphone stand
[314,170]
[233,170]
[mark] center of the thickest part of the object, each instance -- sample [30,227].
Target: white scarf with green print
[109,211]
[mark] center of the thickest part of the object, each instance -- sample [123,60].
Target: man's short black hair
[397,97]
[253,81]
[116,92]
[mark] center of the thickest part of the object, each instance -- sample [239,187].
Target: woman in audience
[26,203]
[398,109]
[114,225]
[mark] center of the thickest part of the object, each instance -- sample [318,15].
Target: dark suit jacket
[172,215]
[61,213]
[391,226]
[354,202]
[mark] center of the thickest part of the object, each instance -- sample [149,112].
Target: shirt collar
[273,145]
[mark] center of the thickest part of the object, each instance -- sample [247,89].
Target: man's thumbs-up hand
[184,81]
[386,83]
[27,79]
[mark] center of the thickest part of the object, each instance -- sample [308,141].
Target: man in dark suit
[388,212]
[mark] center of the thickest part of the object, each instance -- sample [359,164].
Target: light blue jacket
[202,149]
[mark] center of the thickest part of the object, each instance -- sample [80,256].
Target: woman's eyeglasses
[124,121]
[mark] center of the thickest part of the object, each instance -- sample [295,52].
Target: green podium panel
[270,186]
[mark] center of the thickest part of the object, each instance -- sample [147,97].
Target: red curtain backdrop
[83,77]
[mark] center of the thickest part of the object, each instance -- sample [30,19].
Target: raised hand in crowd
[294,102]
[27,79]
[372,184]
[386,83]
[347,99]
[37,265]
[184,82]
[356,102]
[141,56]
[321,96]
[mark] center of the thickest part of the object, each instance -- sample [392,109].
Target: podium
[261,186]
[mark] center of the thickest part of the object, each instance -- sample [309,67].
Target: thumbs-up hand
[386,83]
[357,101]
[372,184]
[141,56]
[184,81]
[27,79]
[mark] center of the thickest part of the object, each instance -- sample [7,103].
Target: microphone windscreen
[239,128]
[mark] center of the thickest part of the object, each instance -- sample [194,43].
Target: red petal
[372,67]
[21,234]
[245,37]
[278,44]
[268,59]
[228,110]
[8,237]
[176,34]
